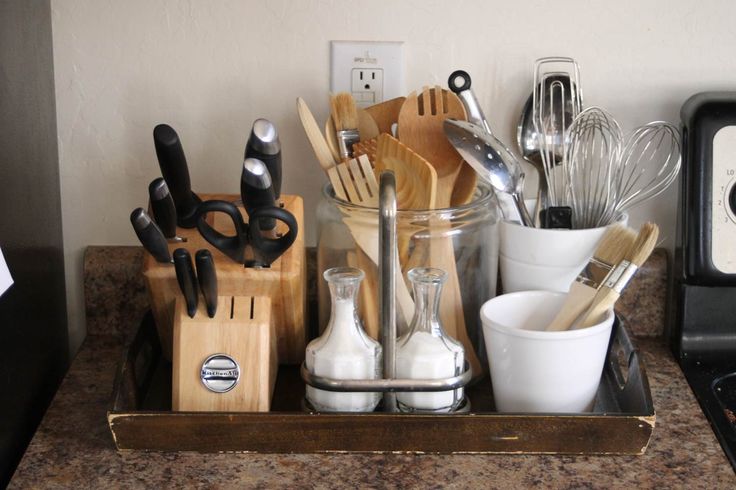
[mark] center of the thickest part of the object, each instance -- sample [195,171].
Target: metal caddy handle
[389,385]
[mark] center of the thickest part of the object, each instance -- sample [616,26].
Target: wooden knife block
[242,329]
[283,282]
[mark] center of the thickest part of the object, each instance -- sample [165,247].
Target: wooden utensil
[465,185]
[368,291]
[416,179]
[314,135]
[355,182]
[421,128]
[366,128]
[368,148]
[416,183]
[386,113]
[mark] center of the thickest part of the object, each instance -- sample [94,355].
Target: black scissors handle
[232,246]
[267,250]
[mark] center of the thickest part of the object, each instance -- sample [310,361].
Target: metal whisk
[590,165]
[649,164]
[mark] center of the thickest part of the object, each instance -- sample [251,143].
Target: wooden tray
[140,417]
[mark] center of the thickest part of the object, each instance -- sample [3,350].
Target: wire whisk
[591,166]
[650,162]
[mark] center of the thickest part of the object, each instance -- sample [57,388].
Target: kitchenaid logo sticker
[366,58]
[220,373]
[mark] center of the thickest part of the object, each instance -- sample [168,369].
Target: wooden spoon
[386,113]
[420,128]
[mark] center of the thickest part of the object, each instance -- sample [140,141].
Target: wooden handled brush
[619,278]
[611,250]
[345,120]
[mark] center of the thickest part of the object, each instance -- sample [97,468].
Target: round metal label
[220,373]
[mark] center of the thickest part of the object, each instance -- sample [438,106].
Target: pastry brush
[345,119]
[612,249]
[619,278]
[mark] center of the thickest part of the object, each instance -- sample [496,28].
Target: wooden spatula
[386,113]
[421,129]
[314,135]
[416,178]
[355,182]
[416,183]
[366,147]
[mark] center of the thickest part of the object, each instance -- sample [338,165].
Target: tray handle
[628,372]
[138,366]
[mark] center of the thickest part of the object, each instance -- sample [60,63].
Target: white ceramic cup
[548,259]
[533,370]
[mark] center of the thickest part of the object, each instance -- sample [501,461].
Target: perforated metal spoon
[491,160]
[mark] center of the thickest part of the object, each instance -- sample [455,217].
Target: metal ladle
[491,160]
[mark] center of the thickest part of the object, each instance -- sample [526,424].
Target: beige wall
[210,67]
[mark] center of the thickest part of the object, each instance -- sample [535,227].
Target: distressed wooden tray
[141,418]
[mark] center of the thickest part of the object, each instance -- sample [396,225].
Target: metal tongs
[389,385]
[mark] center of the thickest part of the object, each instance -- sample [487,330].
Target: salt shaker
[426,351]
[344,350]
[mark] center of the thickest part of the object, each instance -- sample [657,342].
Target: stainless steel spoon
[491,160]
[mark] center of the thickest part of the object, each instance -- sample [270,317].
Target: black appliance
[34,348]
[702,306]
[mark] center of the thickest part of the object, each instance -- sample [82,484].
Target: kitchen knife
[256,190]
[174,169]
[163,208]
[187,279]
[207,275]
[264,145]
[150,235]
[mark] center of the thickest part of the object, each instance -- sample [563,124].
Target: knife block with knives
[227,363]
[283,282]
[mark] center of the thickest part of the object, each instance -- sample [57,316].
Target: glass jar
[344,351]
[462,240]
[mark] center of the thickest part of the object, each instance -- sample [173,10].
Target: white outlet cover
[384,59]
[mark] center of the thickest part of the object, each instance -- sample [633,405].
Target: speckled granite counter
[73,446]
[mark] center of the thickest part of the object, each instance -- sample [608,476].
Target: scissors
[265,250]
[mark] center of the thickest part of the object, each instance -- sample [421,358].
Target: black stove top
[713,380]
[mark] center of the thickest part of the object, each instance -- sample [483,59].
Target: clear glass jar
[462,240]
[426,351]
[344,350]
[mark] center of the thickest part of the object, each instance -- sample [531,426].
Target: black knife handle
[162,207]
[256,190]
[273,164]
[263,144]
[187,279]
[207,275]
[175,171]
[151,237]
[267,250]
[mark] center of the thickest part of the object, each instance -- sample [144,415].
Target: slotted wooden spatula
[421,128]
[416,178]
[355,182]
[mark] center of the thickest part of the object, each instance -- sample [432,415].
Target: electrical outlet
[371,71]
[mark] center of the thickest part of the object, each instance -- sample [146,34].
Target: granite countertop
[73,445]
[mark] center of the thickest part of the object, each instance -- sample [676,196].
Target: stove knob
[732,199]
